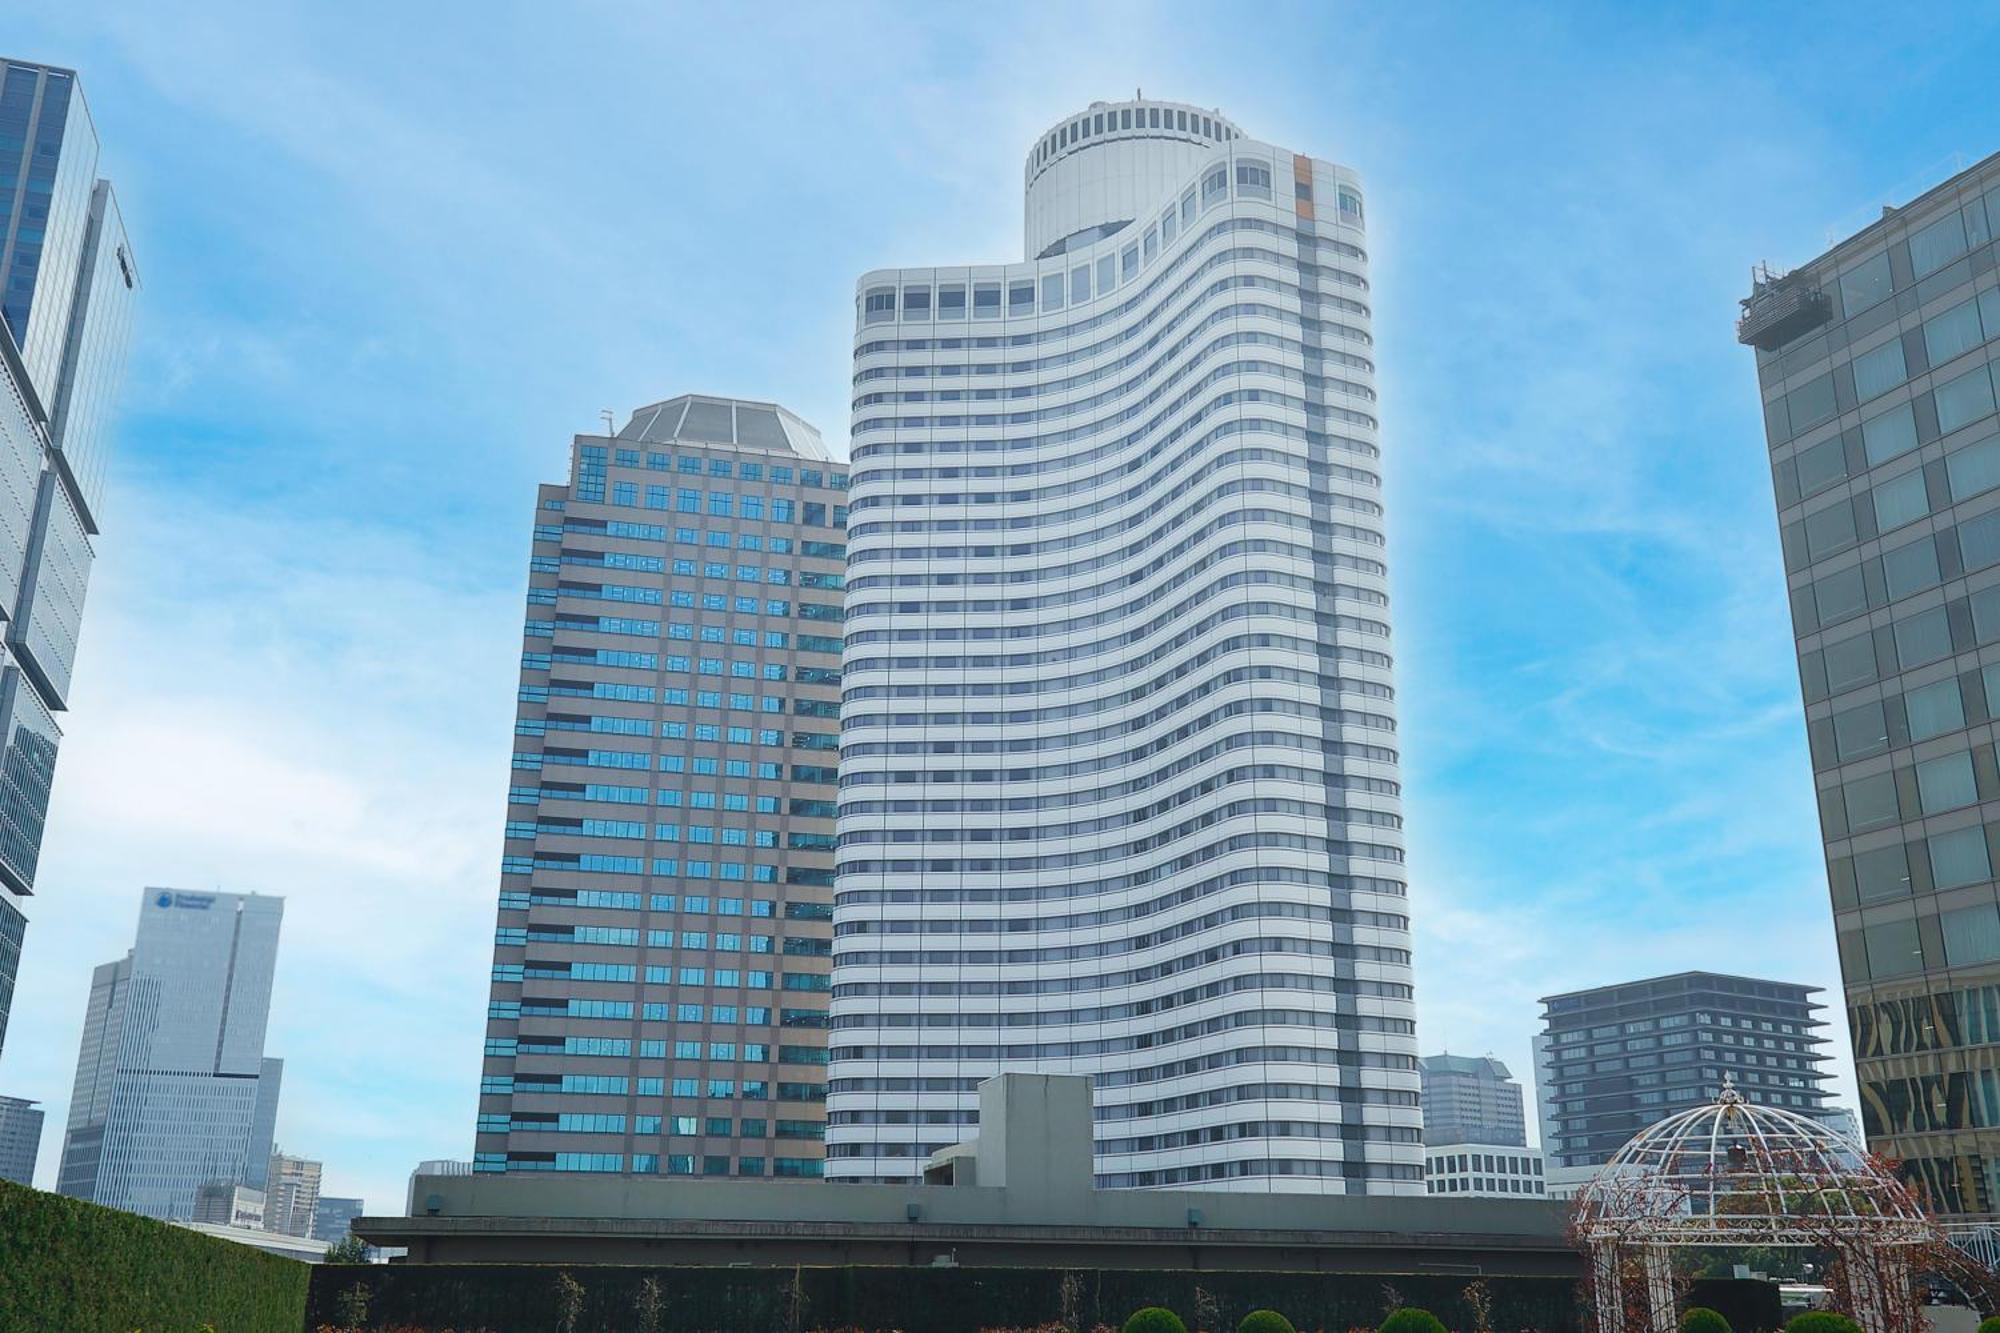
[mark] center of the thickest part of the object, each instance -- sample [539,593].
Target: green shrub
[1701,1319]
[1154,1319]
[1821,1321]
[1990,1324]
[1409,1319]
[1265,1321]
[69,1264]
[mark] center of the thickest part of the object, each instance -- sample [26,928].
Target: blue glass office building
[173,1091]
[66,285]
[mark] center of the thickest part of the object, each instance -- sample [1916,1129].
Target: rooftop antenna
[605,412]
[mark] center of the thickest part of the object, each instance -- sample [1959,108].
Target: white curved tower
[1119,783]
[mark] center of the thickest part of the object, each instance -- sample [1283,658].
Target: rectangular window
[1810,404]
[1864,285]
[1821,466]
[1839,596]
[1979,540]
[1829,530]
[1945,783]
[1889,435]
[1849,662]
[1959,857]
[1021,298]
[1973,469]
[1893,949]
[1937,245]
[1878,371]
[1910,568]
[1079,284]
[1952,334]
[1882,874]
[1924,637]
[1870,803]
[1971,934]
[951,302]
[1860,732]
[1901,500]
[1965,400]
[1934,709]
[1052,291]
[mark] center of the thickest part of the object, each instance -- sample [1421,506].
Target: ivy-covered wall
[74,1266]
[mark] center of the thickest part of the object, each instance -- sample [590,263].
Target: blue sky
[396,255]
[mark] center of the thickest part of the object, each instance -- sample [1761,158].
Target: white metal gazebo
[1731,1173]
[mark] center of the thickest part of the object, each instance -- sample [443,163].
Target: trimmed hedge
[1990,1324]
[1701,1319]
[1265,1321]
[522,1298]
[1821,1321]
[66,1264]
[1154,1319]
[1412,1320]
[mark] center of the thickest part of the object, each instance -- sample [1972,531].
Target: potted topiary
[1821,1321]
[1265,1321]
[1409,1319]
[1154,1319]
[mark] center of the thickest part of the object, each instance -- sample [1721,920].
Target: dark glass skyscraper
[1876,365]
[1611,1061]
[660,967]
[66,285]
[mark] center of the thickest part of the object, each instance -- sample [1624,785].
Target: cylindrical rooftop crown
[1094,172]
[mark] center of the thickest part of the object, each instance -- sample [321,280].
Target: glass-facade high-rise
[169,1072]
[660,966]
[1876,367]
[1120,787]
[66,284]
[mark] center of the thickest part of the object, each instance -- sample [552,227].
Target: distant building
[291,1191]
[1471,1099]
[333,1216]
[1484,1171]
[305,1249]
[20,1139]
[1843,1122]
[176,1023]
[225,1205]
[67,282]
[263,1123]
[433,1166]
[1612,1061]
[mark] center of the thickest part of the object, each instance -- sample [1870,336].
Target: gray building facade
[1611,1061]
[333,1215]
[67,280]
[169,1072]
[20,1139]
[1875,363]
[1471,1099]
[661,963]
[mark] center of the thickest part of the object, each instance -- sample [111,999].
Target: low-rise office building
[1021,1194]
[1484,1171]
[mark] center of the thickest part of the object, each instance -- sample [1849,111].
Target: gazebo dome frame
[1733,1173]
